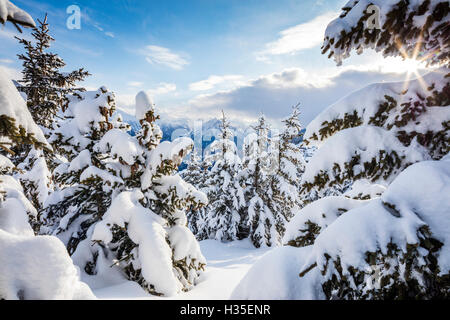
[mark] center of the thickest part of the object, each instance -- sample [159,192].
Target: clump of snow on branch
[10,12]
[413,29]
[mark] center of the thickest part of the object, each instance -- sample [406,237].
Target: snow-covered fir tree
[86,176]
[33,267]
[196,174]
[46,89]
[144,231]
[36,180]
[17,127]
[44,84]
[264,220]
[416,30]
[372,140]
[224,214]
[291,165]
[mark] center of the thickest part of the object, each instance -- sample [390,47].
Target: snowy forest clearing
[227,264]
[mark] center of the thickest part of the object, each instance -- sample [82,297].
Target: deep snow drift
[227,264]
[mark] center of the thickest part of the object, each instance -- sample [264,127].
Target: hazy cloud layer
[214,81]
[164,56]
[300,37]
[275,94]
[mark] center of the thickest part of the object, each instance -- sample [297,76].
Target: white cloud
[135,84]
[274,94]
[213,81]
[11,34]
[163,56]
[300,37]
[163,88]
[98,27]
[6,61]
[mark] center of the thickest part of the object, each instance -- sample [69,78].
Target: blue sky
[196,57]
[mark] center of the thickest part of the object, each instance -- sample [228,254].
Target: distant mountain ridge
[176,128]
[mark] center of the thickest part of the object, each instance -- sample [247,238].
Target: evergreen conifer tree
[46,89]
[143,232]
[44,84]
[384,134]
[196,174]
[226,195]
[89,176]
[264,220]
[285,183]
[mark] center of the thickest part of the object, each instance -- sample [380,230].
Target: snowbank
[34,268]
[275,277]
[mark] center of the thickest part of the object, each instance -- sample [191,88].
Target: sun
[411,66]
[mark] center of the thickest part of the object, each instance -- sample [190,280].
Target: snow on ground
[228,263]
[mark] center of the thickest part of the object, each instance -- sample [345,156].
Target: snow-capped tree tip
[18,17]
[144,104]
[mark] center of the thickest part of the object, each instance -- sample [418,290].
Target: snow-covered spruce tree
[400,248]
[291,165]
[88,176]
[43,82]
[394,247]
[413,116]
[36,180]
[16,127]
[226,195]
[145,228]
[350,263]
[46,89]
[196,174]
[32,267]
[280,188]
[264,220]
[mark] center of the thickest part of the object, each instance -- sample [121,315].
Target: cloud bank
[275,94]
